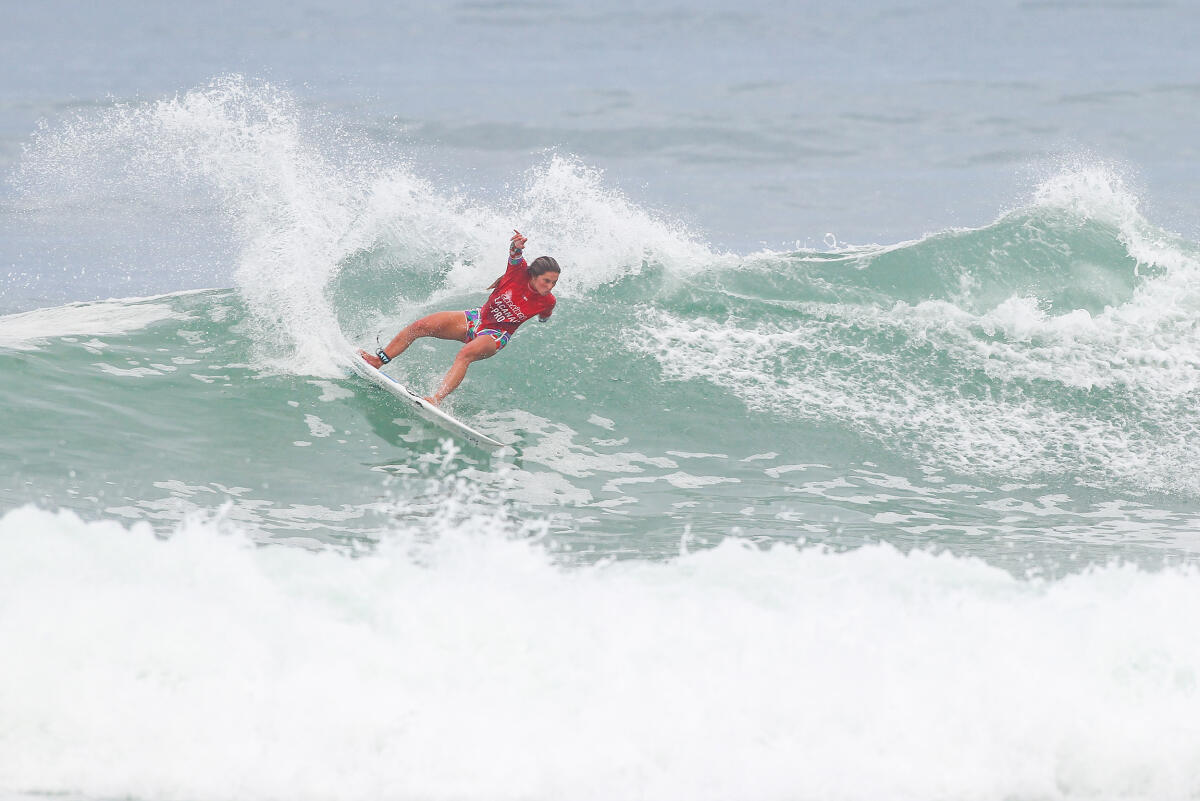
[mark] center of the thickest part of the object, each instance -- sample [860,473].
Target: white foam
[27,330]
[1090,190]
[123,372]
[457,661]
[317,427]
[788,373]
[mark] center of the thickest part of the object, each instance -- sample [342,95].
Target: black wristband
[383,357]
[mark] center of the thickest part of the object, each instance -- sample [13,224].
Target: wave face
[934,502]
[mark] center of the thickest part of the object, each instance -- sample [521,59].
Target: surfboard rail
[421,407]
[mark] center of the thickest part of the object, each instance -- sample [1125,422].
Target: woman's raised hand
[519,240]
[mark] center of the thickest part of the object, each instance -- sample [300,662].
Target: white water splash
[461,662]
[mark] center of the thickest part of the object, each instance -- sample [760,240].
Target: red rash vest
[512,302]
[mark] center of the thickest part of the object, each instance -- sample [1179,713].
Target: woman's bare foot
[432,400]
[371,359]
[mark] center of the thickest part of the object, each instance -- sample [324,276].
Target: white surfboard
[420,406]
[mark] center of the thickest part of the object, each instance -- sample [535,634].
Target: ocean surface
[860,459]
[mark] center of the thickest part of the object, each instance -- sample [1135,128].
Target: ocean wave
[1058,340]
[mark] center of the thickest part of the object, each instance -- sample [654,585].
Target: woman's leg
[482,347]
[443,325]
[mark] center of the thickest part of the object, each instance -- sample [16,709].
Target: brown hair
[543,264]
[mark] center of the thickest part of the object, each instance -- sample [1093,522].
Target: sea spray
[305,206]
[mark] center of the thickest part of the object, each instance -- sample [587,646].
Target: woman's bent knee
[480,348]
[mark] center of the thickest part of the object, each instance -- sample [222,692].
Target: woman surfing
[523,292]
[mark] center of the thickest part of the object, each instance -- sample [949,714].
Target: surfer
[521,293]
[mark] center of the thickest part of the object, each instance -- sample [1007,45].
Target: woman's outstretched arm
[516,258]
